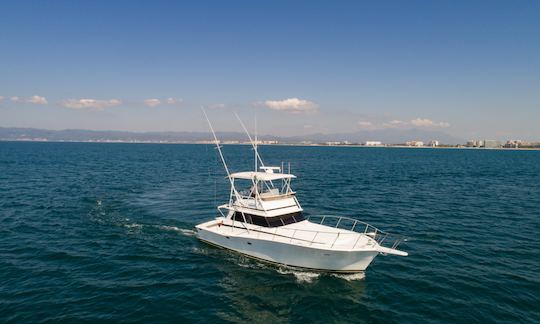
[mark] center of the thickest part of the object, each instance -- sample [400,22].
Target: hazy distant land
[76,135]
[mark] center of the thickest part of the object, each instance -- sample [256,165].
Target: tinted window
[259,220]
[269,221]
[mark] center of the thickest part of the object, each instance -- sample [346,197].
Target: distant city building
[475,143]
[415,143]
[491,144]
[333,143]
[373,143]
[516,144]
[433,143]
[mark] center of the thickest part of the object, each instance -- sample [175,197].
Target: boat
[263,219]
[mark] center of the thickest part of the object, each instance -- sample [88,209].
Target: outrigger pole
[219,150]
[233,188]
[254,145]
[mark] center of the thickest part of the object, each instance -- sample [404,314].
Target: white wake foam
[133,226]
[350,277]
[301,276]
[187,232]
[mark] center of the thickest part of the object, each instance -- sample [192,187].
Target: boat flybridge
[263,219]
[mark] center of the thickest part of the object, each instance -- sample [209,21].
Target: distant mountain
[388,136]
[10,133]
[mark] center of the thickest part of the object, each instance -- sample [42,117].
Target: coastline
[397,146]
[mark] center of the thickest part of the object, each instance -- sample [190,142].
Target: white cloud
[156,102]
[293,105]
[173,101]
[418,122]
[38,100]
[365,124]
[152,102]
[397,122]
[424,122]
[394,124]
[91,104]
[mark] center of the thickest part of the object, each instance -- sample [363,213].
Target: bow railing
[350,224]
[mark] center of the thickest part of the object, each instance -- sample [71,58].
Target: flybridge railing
[350,224]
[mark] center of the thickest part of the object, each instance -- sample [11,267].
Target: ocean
[104,232]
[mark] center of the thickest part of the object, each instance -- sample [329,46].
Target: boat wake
[101,214]
[351,276]
[304,276]
[301,276]
[183,231]
[186,232]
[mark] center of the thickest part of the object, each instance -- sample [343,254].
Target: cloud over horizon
[90,104]
[174,101]
[424,122]
[395,123]
[38,100]
[153,102]
[293,105]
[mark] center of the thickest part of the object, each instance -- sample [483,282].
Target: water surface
[104,232]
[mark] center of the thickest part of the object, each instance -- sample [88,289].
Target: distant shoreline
[397,146]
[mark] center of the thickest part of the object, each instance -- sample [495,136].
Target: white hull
[310,257]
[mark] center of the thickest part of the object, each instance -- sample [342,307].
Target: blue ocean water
[93,232]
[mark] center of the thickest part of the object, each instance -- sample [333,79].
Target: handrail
[379,236]
[373,233]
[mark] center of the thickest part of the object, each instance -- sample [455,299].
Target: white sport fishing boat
[263,219]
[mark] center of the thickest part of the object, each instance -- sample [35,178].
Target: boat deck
[304,233]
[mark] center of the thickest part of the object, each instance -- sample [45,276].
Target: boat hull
[344,261]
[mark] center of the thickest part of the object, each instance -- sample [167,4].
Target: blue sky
[468,68]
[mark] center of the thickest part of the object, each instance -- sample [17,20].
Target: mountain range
[387,136]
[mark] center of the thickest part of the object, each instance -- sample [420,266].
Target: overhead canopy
[264,176]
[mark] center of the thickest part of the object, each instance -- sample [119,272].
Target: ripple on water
[94,232]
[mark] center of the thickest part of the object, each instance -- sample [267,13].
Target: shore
[398,146]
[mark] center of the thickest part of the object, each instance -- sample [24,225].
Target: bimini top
[264,176]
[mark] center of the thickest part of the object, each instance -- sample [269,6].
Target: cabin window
[275,221]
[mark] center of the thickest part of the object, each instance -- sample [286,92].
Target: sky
[468,68]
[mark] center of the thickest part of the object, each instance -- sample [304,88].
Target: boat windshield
[274,221]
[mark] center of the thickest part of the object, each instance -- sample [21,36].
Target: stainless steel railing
[351,228]
[350,224]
